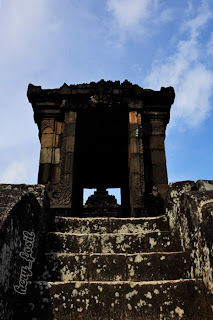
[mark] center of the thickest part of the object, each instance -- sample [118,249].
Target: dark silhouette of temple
[103,135]
[149,258]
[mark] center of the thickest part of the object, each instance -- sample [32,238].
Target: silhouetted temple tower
[103,135]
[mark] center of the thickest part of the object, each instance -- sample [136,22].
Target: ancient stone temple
[150,258]
[103,135]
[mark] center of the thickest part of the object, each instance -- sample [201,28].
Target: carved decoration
[135,104]
[59,195]
[47,123]
[65,104]
[141,157]
[100,100]
[137,197]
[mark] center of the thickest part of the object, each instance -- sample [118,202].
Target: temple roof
[101,89]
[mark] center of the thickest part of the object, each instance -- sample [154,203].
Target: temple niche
[103,135]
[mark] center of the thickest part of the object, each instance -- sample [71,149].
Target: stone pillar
[49,167]
[57,158]
[67,159]
[136,164]
[68,145]
[157,156]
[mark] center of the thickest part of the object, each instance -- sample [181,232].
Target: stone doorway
[103,135]
[101,155]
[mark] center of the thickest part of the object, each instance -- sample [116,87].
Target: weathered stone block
[47,126]
[191,205]
[120,300]
[110,243]
[158,266]
[66,267]
[111,225]
[69,158]
[157,127]
[70,117]
[69,129]
[133,130]
[44,173]
[133,146]
[81,225]
[134,165]
[46,155]
[57,154]
[156,142]
[56,141]
[160,174]
[56,174]
[67,178]
[59,127]
[138,225]
[162,300]
[47,140]
[107,301]
[175,192]
[162,189]
[135,180]
[107,267]
[205,185]
[133,117]
[158,157]
[48,130]
[70,243]
[70,144]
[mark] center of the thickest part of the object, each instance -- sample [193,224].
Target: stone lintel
[103,93]
[126,89]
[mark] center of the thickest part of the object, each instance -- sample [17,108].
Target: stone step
[110,225]
[117,267]
[110,242]
[157,300]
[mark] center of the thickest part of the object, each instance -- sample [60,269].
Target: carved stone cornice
[103,94]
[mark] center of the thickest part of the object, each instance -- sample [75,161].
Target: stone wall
[22,225]
[190,212]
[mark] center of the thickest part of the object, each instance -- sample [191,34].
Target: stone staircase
[117,269]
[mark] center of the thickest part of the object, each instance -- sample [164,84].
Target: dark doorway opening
[101,155]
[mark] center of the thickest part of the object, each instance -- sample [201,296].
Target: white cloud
[170,73]
[192,102]
[191,78]
[15,172]
[129,13]
[137,20]
[199,21]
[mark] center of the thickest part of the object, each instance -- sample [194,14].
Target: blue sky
[151,43]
